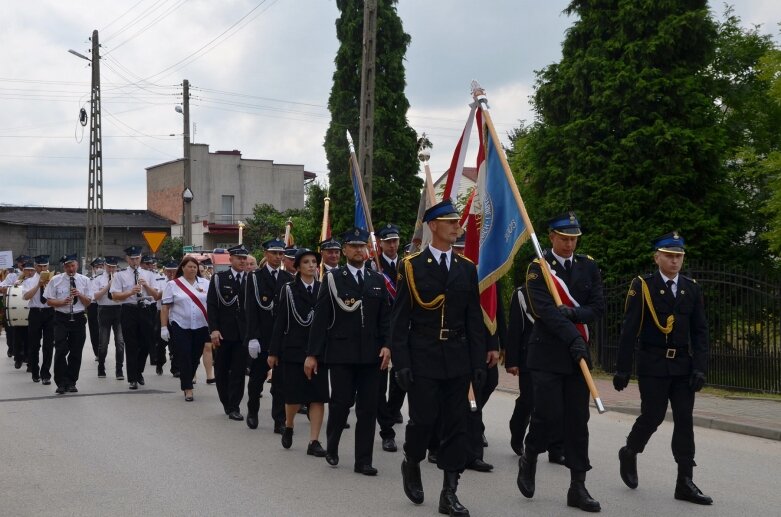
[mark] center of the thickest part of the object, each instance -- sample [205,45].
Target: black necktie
[568,266]
[360,279]
[40,295]
[443,264]
[274,273]
[309,289]
[393,265]
[670,284]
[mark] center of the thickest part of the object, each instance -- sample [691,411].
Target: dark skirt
[300,390]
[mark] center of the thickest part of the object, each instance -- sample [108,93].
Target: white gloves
[254,348]
[164,334]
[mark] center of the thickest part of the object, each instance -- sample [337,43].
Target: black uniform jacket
[291,331]
[689,336]
[262,300]
[225,306]
[338,336]
[416,330]
[519,329]
[553,333]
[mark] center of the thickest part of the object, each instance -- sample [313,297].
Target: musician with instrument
[134,289]
[40,329]
[438,339]
[8,282]
[109,318]
[18,305]
[98,269]
[70,296]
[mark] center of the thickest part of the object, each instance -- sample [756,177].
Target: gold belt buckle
[443,334]
[670,353]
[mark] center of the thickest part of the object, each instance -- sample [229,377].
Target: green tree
[627,133]
[396,186]
[171,248]
[770,70]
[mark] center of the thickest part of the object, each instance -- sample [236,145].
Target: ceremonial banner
[456,169]
[360,211]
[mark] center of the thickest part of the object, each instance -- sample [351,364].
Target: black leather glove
[478,378]
[621,380]
[697,380]
[579,350]
[404,378]
[569,313]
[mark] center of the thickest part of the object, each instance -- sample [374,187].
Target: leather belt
[440,334]
[668,353]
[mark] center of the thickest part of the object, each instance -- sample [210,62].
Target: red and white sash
[568,300]
[192,296]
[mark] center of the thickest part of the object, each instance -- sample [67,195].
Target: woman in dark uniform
[288,347]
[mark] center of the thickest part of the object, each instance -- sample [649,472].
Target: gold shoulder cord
[436,303]
[670,319]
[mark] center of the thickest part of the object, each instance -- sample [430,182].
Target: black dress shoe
[366,470]
[432,457]
[389,445]
[60,390]
[176,375]
[556,458]
[252,420]
[517,445]
[527,470]
[36,378]
[141,380]
[101,372]
[235,415]
[134,385]
[413,486]
[627,459]
[578,497]
[279,428]
[346,425]
[17,364]
[287,437]
[332,459]
[159,369]
[46,381]
[480,466]
[120,376]
[10,353]
[686,490]
[208,381]
[315,449]
[72,389]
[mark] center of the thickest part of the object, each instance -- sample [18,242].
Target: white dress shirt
[438,253]
[32,284]
[181,308]
[98,283]
[124,281]
[354,270]
[59,289]
[674,287]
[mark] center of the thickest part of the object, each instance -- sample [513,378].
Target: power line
[156,5]
[164,15]
[115,20]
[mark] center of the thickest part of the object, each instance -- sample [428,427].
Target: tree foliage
[171,248]
[396,186]
[627,133]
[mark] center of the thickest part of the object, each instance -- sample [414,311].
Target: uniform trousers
[9,336]
[137,333]
[353,384]
[386,416]
[560,398]
[524,406]
[188,344]
[110,318]
[430,399]
[40,329]
[93,326]
[475,428]
[395,394]
[258,371]
[654,394]
[230,363]
[69,337]
[20,343]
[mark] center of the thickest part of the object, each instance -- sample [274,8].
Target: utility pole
[94,234]
[187,226]
[366,129]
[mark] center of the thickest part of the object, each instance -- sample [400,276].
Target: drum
[16,307]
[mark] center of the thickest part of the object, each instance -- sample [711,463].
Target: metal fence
[744,318]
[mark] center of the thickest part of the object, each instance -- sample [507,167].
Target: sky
[260,73]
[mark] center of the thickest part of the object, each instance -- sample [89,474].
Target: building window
[227,210]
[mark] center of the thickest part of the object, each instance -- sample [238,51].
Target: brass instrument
[46,276]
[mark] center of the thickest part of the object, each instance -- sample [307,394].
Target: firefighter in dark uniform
[263,290]
[98,268]
[557,344]
[389,409]
[225,313]
[438,339]
[665,316]
[350,334]
[331,250]
[519,329]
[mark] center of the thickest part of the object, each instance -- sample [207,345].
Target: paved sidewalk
[754,417]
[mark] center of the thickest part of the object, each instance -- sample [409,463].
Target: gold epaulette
[466,258]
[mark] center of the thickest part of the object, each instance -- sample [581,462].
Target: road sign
[154,239]
[187,249]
